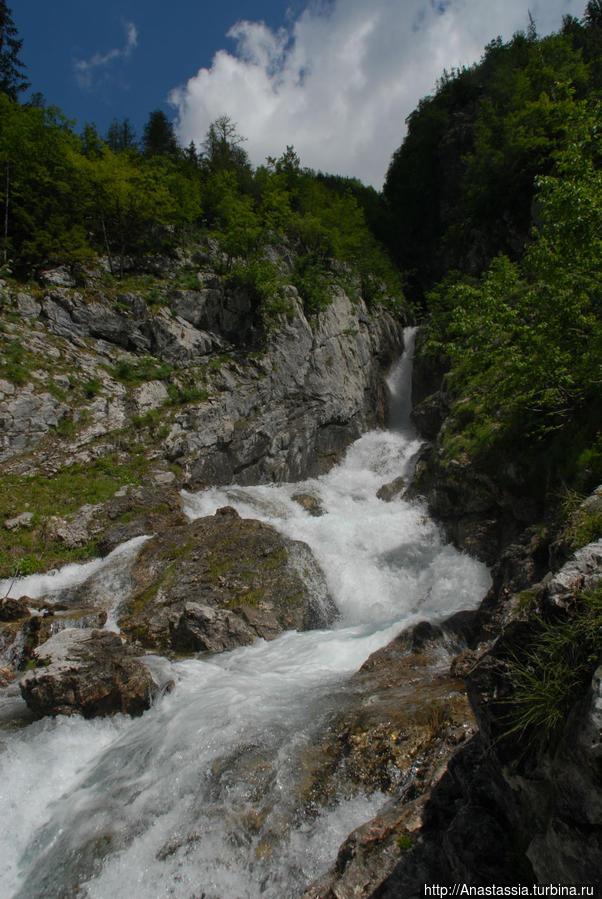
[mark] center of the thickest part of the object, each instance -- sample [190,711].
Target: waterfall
[200,796]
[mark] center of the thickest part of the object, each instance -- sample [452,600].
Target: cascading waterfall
[199,797]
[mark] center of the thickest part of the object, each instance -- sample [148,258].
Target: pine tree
[159,138]
[11,67]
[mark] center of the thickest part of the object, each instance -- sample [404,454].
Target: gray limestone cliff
[175,377]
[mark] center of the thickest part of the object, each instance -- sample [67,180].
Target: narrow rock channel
[216,791]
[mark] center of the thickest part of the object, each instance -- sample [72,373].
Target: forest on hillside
[495,216]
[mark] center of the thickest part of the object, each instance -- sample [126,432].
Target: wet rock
[403,719]
[429,415]
[310,503]
[135,511]
[85,619]
[87,672]
[395,489]
[13,609]
[221,582]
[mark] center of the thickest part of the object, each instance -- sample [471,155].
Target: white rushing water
[198,798]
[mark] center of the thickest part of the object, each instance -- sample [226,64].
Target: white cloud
[340,82]
[87,70]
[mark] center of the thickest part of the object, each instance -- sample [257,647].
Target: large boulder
[222,582]
[401,719]
[87,672]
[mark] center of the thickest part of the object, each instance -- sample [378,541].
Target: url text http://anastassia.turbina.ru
[526,891]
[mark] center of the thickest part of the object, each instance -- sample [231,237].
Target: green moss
[14,365]
[404,842]
[66,427]
[252,597]
[525,600]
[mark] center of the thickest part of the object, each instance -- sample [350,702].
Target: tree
[12,82]
[159,138]
[121,136]
[222,146]
[593,14]
[41,195]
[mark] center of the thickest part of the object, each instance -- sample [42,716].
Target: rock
[310,503]
[24,520]
[27,306]
[71,534]
[292,414]
[26,417]
[428,415]
[578,574]
[401,718]
[136,511]
[394,489]
[13,609]
[88,672]
[221,582]
[178,342]
[57,277]
[151,395]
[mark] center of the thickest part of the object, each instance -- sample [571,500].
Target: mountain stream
[197,798]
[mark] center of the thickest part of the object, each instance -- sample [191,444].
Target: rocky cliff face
[280,408]
[175,377]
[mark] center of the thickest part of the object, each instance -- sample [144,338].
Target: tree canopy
[12,80]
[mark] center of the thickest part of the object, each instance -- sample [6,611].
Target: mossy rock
[221,582]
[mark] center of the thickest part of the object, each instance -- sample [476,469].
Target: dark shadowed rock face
[88,672]
[221,582]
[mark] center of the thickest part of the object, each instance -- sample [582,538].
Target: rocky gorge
[391,738]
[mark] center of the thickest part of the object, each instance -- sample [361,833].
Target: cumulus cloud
[88,70]
[340,81]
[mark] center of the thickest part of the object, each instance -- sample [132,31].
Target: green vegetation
[525,340]
[501,239]
[144,368]
[555,669]
[460,189]
[67,197]
[584,519]
[35,548]
[404,842]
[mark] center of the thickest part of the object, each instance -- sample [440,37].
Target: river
[199,796]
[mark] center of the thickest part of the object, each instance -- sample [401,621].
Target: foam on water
[107,580]
[199,795]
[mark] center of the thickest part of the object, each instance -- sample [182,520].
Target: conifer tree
[159,138]
[11,67]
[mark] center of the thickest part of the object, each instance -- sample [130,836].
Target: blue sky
[335,78]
